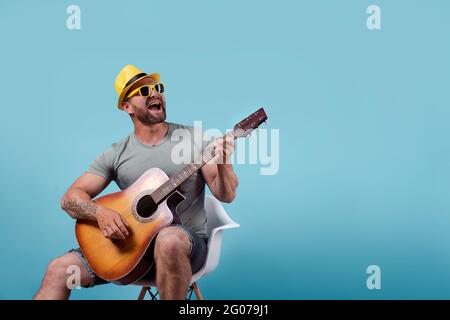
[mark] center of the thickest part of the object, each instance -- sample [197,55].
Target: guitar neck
[177,179]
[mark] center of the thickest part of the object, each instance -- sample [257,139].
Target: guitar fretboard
[177,179]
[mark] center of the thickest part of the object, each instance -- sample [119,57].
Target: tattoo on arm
[80,210]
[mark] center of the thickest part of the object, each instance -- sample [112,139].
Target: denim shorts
[197,257]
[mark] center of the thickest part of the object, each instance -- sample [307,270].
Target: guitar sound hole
[146,207]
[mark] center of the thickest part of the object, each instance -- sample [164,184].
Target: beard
[146,117]
[152,115]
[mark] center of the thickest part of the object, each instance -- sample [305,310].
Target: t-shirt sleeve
[103,165]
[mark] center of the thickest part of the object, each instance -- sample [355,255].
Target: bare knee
[172,244]
[61,268]
[57,271]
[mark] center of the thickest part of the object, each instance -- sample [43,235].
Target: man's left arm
[218,172]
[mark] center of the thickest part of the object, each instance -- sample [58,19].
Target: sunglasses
[147,90]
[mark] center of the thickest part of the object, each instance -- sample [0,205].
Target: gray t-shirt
[125,161]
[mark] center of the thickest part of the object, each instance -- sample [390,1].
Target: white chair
[217,221]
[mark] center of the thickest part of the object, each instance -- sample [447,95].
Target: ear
[127,107]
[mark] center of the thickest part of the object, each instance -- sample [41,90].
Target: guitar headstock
[253,121]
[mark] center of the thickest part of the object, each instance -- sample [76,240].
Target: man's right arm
[77,202]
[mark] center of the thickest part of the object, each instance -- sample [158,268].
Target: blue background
[363,117]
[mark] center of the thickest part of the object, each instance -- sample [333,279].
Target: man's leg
[54,284]
[173,269]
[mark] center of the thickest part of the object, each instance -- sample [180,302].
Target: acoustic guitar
[148,205]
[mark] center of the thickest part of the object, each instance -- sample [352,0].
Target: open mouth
[154,105]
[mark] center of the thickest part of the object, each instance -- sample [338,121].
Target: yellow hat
[125,79]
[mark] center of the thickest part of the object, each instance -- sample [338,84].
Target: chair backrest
[217,221]
[216,215]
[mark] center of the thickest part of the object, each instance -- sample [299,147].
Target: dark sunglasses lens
[144,91]
[159,88]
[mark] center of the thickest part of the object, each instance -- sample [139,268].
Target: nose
[154,93]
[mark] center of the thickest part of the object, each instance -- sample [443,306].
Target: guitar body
[126,261]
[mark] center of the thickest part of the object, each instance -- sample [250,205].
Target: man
[180,250]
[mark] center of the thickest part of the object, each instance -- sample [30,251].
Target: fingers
[125,222]
[116,230]
[229,140]
[224,149]
[108,231]
[121,226]
[112,224]
[117,233]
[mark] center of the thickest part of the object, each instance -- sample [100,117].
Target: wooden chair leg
[197,291]
[194,287]
[142,293]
